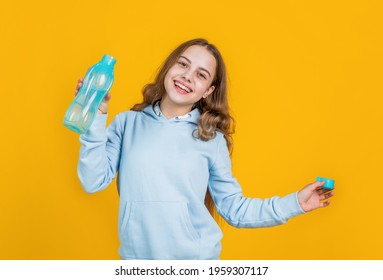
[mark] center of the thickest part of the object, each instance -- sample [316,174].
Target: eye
[201,76]
[182,64]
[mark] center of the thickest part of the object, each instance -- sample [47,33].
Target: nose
[187,75]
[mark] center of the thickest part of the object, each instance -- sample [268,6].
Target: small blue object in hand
[329,183]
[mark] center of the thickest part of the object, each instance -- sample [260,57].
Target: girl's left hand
[313,196]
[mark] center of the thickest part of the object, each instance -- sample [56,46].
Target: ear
[208,91]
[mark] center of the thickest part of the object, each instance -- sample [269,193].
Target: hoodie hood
[154,112]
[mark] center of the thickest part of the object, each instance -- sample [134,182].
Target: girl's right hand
[103,108]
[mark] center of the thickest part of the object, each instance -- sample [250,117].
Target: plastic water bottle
[97,82]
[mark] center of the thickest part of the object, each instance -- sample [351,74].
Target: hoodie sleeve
[99,154]
[240,211]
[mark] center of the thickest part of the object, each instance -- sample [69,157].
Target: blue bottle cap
[329,183]
[108,59]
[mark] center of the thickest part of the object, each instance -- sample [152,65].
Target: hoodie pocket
[159,230]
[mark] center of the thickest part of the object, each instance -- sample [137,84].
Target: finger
[108,97]
[322,191]
[325,203]
[316,185]
[78,86]
[77,89]
[79,82]
[326,195]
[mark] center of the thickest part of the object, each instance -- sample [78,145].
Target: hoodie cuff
[290,206]
[97,130]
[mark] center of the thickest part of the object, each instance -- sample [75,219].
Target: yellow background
[305,89]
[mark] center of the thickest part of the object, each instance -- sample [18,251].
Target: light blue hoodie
[163,175]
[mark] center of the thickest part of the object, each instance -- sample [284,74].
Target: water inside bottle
[87,120]
[75,113]
[81,114]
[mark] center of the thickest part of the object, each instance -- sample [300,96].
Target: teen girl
[171,153]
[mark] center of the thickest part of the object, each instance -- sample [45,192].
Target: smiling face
[188,80]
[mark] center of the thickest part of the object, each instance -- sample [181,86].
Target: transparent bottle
[97,82]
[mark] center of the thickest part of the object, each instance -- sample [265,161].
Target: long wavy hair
[214,109]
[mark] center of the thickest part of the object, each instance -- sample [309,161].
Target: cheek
[202,86]
[172,71]
[168,78]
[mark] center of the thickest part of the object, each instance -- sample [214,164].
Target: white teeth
[183,87]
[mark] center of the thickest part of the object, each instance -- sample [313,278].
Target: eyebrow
[199,67]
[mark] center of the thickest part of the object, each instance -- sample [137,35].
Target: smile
[182,87]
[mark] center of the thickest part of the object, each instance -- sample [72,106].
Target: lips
[182,88]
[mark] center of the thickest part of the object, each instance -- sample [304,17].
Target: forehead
[200,57]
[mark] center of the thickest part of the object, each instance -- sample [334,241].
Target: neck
[171,110]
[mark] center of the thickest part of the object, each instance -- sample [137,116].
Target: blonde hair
[214,109]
